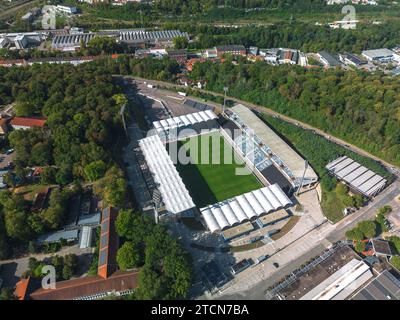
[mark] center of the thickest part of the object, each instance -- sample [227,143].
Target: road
[14,8]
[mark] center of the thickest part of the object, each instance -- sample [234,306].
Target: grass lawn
[332,206]
[213,182]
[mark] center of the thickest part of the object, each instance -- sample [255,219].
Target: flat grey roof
[378,53]
[357,176]
[384,287]
[58,235]
[329,58]
[279,147]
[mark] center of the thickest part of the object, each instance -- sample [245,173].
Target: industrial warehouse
[131,37]
[357,177]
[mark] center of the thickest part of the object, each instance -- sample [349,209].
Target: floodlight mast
[123,117]
[225,91]
[302,178]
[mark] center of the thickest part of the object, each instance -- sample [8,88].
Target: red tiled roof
[87,286]
[28,122]
[109,243]
[21,288]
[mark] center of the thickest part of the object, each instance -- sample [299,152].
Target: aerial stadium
[237,172]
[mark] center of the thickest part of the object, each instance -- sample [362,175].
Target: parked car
[9,151]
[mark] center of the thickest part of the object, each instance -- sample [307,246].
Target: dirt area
[286,228]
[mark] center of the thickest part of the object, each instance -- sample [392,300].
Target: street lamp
[225,90]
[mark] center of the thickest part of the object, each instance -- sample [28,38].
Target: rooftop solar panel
[102,258]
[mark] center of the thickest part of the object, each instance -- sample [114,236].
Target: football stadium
[227,171]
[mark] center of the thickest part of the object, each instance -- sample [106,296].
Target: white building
[380,55]
[66,9]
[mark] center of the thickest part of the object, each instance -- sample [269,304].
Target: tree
[112,187]
[395,261]
[58,263]
[149,284]
[48,175]
[133,226]
[354,234]
[70,265]
[7,294]
[95,170]
[54,214]
[360,246]
[180,42]
[368,228]
[128,256]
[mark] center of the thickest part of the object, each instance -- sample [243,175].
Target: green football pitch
[216,180]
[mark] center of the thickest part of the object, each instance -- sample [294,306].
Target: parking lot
[6,159]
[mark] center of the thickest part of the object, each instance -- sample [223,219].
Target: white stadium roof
[290,158]
[357,176]
[244,207]
[173,191]
[184,120]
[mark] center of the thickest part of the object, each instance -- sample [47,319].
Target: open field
[217,180]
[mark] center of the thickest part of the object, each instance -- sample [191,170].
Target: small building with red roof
[23,123]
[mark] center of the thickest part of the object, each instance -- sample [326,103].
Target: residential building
[66,9]
[21,123]
[270,55]
[352,60]
[3,126]
[236,50]
[179,55]
[328,60]
[289,56]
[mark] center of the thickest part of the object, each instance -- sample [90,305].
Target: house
[12,62]
[351,59]
[22,123]
[66,9]
[328,60]
[382,248]
[179,55]
[270,55]
[3,126]
[289,56]
[210,53]
[236,50]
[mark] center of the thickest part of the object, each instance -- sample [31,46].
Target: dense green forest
[82,114]
[165,267]
[83,127]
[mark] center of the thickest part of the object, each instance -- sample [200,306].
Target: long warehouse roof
[246,206]
[184,120]
[279,147]
[357,176]
[342,283]
[173,191]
